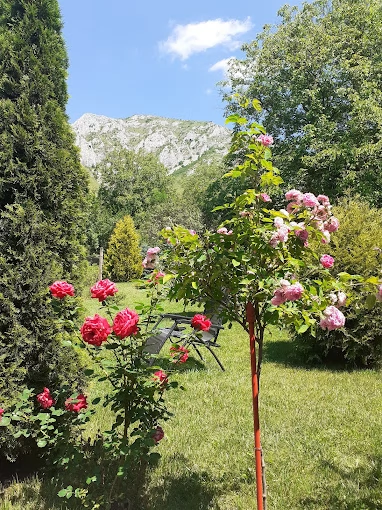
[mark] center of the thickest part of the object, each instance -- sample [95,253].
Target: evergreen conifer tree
[123,259]
[43,192]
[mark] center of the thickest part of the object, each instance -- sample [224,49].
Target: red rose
[175,353]
[161,378]
[200,322]
[1,413]
[45,399]
[95,330]
[61,289]
[125,323]
[76,404]
[102,289]
[158,434]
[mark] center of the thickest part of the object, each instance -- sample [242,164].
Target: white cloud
[185,40]
[222,65]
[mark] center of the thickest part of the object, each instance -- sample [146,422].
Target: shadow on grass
[359,488]
[188,490]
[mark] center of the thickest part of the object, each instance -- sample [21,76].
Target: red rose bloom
[1,413]
[200,322]
[161,378]
[95,330]
[45,399]
[125,323]
[175,353]
[76,404]
[61,289]
[158,434]
[102,289]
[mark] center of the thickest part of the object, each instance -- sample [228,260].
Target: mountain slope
[177,143]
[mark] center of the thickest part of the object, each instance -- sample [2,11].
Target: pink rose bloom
[125,323]
[75,405]
[158,434]
[243,214]
[2,411]
[160,274]
[292,207]
[309,200]
[327,261]
[332,224]
[283,232]
[95,330]
[153,251]
[278,222]
[333,319]
[325,237]
[321,213]
[341,299]
[200,322]
[45,399]
[222,230]
[265,140]
[302,234]
[60,289]
[284,283]
[293,292]
[274,240]
[265,197]
[192,232]
[148,264]
[295,195]
[379,293]
[278,297]
[102,289]
[323,199]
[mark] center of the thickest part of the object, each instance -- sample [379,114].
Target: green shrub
[357,248]
[123,260]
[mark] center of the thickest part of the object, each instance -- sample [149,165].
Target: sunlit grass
[321,434]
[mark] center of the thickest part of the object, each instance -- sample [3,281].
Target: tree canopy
[318,75]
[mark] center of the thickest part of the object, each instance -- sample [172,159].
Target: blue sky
[156,57]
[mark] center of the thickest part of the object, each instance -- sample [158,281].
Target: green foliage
[43,193]
[123,259]
[357,248]
[131,182]
[318,76]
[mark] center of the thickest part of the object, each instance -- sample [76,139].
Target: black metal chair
[176,333]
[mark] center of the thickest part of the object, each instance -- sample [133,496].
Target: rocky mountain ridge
[177,143]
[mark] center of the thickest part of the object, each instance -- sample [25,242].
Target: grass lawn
[321,434]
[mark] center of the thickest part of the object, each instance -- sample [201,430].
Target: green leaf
[235,263]
[370,301]
[96,400]
[194,285]
[303,328]
[257,105]
[236,119]
[88,371]
[42,443]
[5,421]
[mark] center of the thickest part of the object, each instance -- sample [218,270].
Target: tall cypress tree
[43,192]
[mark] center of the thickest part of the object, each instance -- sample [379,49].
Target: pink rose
[332,224]
[160,377]
[102,289]
[45,399]
[309,200]
[95,330]
[192,232]
[149,264]
[333,319]
[379,293]
[2,411]
[158,434]
[243,214]
[283,232]
[153,251]
[200,322]
[265,140]
[302,234]
[323,199]
[295,195]
[278,297]
[125,323]
[325,237]
[293,292]
[160,274]
[265,197]
[327,261]
[60,289]
[278,222]
[76,404]
[179,354]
